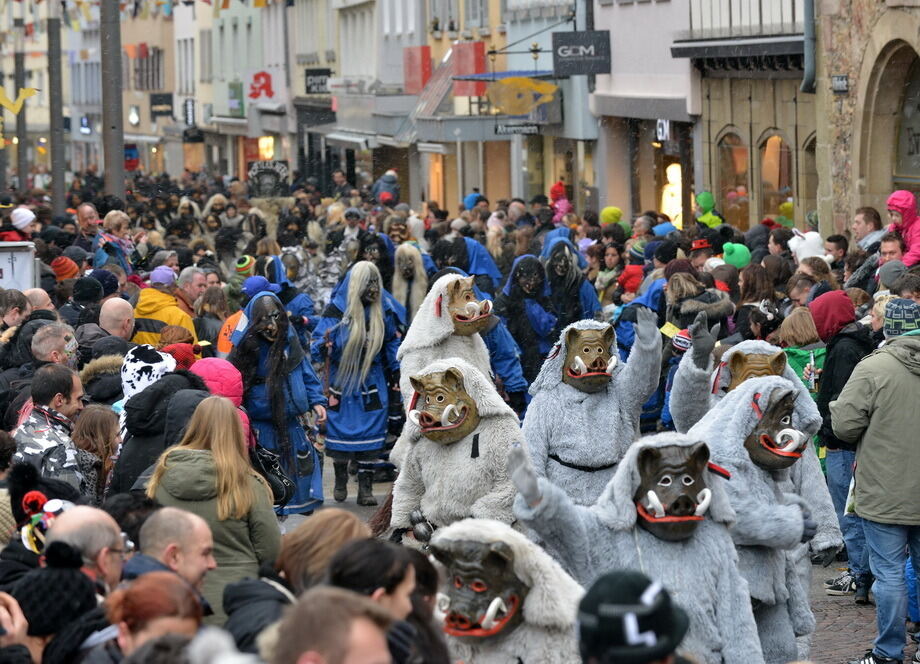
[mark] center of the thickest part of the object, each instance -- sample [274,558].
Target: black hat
[110,345]
[539,198]
[666,252]
[107,280]
[29,491]
[77,254]
[87,290]
[629,619]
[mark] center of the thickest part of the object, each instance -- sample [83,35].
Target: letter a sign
[579,53]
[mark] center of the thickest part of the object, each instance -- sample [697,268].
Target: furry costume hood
[552,602]
[616,507]
[714,302]
[551,372]
[107,365]
[479,387]
[432,323]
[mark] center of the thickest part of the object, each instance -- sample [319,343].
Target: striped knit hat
[245,266]
[681,341]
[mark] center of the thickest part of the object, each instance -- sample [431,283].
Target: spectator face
[129,642]
[860,227]
[398,602]
[611,258]
[195,558]
[774,248]
[88,218]
[196,286]
[799,296]
[832,250]
[352,220]
[212,279]
[16,316]
[889,251]
[173,262]
[338,178]
[894,217]
[70,405]
[910,295]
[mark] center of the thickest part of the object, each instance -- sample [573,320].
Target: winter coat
[241,545]
[388,183]
[877,413]
[70,313]
[799,358]
[207,328]
[43,440]
[87,335]
[145,421]
[15,561]
[154,311]
[224,380]
[604,537]
[251,606]
[16,343]
[9,233]
[652,298]
[108,249]
[562,424]
[909,228]
[716,304]
[101,379]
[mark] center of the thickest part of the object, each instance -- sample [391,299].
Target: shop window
[775,175]
[733,201]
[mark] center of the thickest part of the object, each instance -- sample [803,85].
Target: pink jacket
[909,228]
[223,380]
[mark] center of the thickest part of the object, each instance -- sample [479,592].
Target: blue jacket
[554,236]
[481,262]
[103,253]
[651,299]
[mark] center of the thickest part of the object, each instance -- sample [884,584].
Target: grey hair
[188,274]
[88,540]
[165,526]
[160,258]
[49,338]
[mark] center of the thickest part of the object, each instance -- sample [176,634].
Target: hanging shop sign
[188,109]
[161,105]
[584,52]
[268,179]
[513,129]
[235,104]
[317,81]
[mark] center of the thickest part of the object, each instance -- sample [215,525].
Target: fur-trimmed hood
[432,323]
[715,303]
[552,602]
[479,387]
[616,507]
[551,372]
[107,365]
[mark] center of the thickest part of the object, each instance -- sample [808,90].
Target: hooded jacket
[576,303]
[154,311]
[876,412]
[101,379]
[715,303]
[16,344]
[252,605]
[909,228]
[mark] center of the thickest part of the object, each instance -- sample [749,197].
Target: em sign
[579,53]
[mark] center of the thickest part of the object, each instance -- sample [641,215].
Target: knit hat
[143,366]
[611,215]
[255,285]
[64,268]
[637,251]
[22,218]
[110,345]
[621,606]
[736,254]
[245,265]
[163,275]
[52,597]
[108,281]
[681,341]
[890,272]
[385,198]
[87,290]
[77,254]
[29,491]
[184,354]
[666,252]
[681,265]
[901,316]
[651,248]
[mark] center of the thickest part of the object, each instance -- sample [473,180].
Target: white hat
[22,218]
[806,245]
[712,263]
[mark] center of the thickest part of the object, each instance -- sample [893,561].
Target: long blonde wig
[364,339]
[216,427]
[401,291]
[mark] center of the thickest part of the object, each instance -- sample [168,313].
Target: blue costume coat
[300,305]
[303,391]
[358,422]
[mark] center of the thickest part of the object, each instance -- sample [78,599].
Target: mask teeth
[703,498]
[578,366]
[488,622]
[655,504]
[794,437]
[441,607]
[445,415]
[413,417]
[611,364]
[485,307]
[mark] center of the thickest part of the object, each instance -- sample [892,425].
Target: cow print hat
[143,366]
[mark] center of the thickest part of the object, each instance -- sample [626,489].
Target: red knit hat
[184,354]
[64,268]
[557,191]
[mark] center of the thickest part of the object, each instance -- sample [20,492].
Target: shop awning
[220,119]
[335,135]
[499,75]
[142,138]
[743,47]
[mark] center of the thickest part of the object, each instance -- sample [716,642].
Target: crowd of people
[191,358]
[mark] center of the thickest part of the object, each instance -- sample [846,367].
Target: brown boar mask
[750,365]
[672,497]
[588,360]
[443,409]
[468,313]
[484,595]
[774,444]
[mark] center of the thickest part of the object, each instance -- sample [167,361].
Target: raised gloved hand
[809,526]
[646,325]
[522,475]
[703,339]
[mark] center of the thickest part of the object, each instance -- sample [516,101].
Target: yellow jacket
[154,311]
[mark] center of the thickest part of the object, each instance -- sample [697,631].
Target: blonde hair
[335,214]
[267,247]
[878,307]
[363,344]
[798,329]
[116,221]
[683,285]
[821,270]
[215,427]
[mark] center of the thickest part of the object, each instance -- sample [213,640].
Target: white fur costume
[588,430]
[548,634]
[468,478]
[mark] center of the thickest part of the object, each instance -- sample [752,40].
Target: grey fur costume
[701,573]
[590,430]
[768,527]
[468,478]
[548,634]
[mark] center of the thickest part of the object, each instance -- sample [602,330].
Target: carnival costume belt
[584,469]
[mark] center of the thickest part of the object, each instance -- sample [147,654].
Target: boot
[366,488]
[340,492]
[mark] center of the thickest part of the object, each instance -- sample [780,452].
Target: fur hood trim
[714,302]
[428,328]
[551,372]
[552,602]
[616,507]
[107,365]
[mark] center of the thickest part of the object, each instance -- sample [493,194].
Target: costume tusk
[795,438]
[445,415]
[488,622]
[703,498]
[611,364]
[578,366]
[441,607]
[655,504]
[472,309]
[485,307]
[413,417]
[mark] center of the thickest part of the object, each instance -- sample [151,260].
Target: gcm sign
[586,52]
[575,51]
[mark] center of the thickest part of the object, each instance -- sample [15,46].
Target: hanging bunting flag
[142,51]
[131,50]
[15,106]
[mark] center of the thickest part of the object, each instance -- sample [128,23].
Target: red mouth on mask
[456,624]
[770,445]
[645,514]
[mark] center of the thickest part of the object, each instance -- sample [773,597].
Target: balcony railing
[726,19]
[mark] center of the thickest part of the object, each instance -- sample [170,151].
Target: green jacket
[877,409]
[799,358]
[240,545]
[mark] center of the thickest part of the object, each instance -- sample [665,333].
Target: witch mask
[484,596]
[268,318]
[469,314]
[589,363]
[442,408]
[751,365]
[774,444]
[672,497]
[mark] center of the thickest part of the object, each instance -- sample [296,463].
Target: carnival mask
[529,277]
[406,267]
[268,318]
[372,291]
[588,360]
[774,444]
[560,263]
[484,597]
[750,365]
[672,497]
[399,233]
[370,253]
[442,408]
[469,314]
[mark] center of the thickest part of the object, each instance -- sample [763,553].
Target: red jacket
[909,228]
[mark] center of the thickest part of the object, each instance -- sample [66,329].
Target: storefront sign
[85,127]
[235,105]
[268,179]
[189,112]
[840,85]
[132,157]
[585,52]
[161,105]
[663,130]
[512,129]
[317,81]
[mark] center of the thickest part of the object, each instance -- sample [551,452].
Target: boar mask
[467,312]
[774,444]
[751,365]
[485,597]
[672,497]
[444,411]
[588,360]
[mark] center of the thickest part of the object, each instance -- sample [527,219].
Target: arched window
[775,175]
[732,196]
